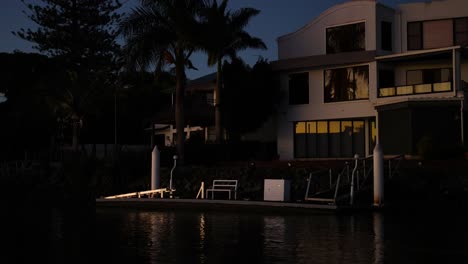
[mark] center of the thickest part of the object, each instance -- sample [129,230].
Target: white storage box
[276,190]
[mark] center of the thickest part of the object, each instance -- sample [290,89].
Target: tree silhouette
[161,33]
[256,89]
[225,35]
[81,34]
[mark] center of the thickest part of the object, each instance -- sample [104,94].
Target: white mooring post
[378,176]
[155,172]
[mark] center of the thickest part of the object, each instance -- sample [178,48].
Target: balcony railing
[415,89]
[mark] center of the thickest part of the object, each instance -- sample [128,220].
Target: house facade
[199,114]
[362,71]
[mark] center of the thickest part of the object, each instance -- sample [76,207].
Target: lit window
[346,84]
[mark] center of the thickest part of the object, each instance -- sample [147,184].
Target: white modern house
[363,71]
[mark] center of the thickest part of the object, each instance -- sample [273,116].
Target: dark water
[214,237]
[135,236]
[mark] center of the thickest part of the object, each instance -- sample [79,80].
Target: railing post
[155,172]
[172,171]
[308,186]
[390,169]
[356,160]
[378,176]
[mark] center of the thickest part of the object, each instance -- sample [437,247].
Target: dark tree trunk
[179,111]
[218,118]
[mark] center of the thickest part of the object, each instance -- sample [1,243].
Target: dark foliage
[252,94]
[81,34]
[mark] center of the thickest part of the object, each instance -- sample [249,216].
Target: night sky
[277,17]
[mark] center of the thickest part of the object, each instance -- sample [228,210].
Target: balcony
[415,89]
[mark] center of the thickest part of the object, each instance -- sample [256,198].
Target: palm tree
[160,33]
[225,35]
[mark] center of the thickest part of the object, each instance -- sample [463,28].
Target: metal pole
[115,123]
[308,186]
[172,170]
[155,172]
[378,176]
[356,159]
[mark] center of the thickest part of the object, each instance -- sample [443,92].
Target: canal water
[117,235]
[220,237]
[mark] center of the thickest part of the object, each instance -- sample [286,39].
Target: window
[437,34]
[386,35]
[461,31]
[346,38]
[332,138]
[346,84]
[428,76]
[299,88]
[414,36]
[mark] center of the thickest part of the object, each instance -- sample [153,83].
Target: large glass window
[299,88]
[461,31]
[386,35]
[346,84]
[300,143]
[415,35]
[322,138]
[333,138]
[346,38]
[312,139]
[359,138]
[335,141]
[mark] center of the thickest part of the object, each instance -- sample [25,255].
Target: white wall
[317,109]
[311,39]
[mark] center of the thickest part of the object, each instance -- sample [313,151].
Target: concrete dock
[217,205]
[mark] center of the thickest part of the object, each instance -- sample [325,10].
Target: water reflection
[214,237]
[379,239]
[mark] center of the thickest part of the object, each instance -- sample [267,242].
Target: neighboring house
[200,117]
[362,70]
[199,114]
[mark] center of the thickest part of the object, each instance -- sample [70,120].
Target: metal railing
[352,176]
[334,184]
[395,162]
[415,89]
